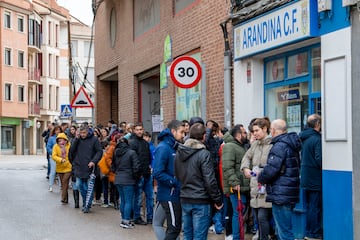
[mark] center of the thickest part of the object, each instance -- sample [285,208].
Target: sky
[81,9]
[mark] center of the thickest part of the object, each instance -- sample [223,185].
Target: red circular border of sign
[172,74]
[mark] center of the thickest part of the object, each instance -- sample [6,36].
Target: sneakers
[85,210]
[212,228]
[309,238]
[149,221]
[256,236]
[105,205]
[97,202]
[126,225]
[230,237]
[139,221]
[50,189]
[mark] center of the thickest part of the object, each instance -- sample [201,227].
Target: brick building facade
[129,53]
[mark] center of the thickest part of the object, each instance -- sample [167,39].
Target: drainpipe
[227,77]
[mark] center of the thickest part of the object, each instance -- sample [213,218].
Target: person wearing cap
[60,154]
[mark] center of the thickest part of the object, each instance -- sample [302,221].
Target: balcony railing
[34,109]
[34,74]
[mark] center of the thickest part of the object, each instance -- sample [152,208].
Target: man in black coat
[85,153]
[145,183]
[281,174]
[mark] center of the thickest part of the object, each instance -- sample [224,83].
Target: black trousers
[173,218]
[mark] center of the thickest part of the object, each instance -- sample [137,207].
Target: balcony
[34,109]
[34,75]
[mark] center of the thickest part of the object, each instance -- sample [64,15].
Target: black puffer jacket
[142,149]
[195,171]
[281,174]
[125,164]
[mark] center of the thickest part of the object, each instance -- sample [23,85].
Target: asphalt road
[30,212]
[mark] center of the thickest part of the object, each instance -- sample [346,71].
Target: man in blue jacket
[168,191]
[281,176]
[311,176]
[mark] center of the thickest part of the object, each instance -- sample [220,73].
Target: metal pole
[227,78]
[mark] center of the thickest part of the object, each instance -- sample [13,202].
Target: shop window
[298,65]
[146,15]
[8,94]
[316,69]
[275,70]
[7,56]
[21,93]
[290,103]
[7,19]
[21,24]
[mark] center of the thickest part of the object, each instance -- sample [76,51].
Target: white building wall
[248,96]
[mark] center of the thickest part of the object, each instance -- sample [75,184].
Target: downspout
[227,77]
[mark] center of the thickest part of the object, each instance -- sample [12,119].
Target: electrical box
[346,3]
[324,5]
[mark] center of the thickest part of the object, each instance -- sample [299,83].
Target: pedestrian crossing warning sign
[81,99]
[66,111]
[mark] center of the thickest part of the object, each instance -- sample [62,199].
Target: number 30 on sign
[185,72]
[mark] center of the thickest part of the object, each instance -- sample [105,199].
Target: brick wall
[197,27]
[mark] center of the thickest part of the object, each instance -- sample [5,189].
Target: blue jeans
[283,221]
[52,172]
[82,185]
[105,189]
[235,216]
[146,185]
[126,200]
[313,214]
[196,219]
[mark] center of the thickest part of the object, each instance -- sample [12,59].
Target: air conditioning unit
[346,3]
[324,5]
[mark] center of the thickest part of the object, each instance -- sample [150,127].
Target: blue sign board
[291,23]
[66,111]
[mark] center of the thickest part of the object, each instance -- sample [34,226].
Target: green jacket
[232,154]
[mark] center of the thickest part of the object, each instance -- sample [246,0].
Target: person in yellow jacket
[60,154]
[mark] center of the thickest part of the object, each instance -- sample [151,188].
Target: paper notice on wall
[157,125]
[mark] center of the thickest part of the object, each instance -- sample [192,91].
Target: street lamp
[38,125]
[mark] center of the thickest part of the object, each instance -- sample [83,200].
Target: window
[21,59]
[74,48]
[21,24]
[298,65]
[146,15]
[87,48]
[7,19]
[8,92]
[182,4]
[8,56]
[50,65]
[49,33]
[113,27]
[21,92]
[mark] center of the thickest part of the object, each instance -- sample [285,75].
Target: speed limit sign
[185,72]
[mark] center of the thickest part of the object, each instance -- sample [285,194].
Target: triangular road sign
[81,99]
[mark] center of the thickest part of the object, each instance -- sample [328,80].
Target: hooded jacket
[232,154]
[84,151]
[163,172]
[195,171]
[282,172]
[311,160]
[61,167]
[125,164]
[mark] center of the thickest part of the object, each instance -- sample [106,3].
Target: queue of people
[198,179]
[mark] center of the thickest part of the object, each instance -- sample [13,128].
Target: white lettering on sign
[279,27]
